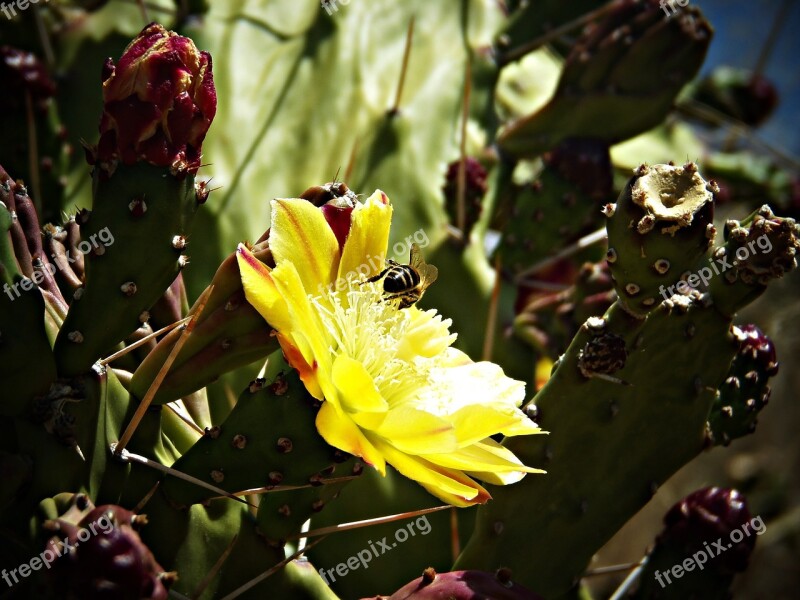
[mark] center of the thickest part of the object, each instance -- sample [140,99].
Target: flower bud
[158,103]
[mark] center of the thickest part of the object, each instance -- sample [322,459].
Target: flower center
[365,327]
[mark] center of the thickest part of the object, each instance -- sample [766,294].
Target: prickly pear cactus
[340,293]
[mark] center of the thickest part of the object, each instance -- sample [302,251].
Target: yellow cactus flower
[393,390]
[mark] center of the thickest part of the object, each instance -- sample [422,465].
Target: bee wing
[428,273]
[415,257]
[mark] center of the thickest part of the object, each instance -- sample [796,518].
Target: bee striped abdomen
[399,279]
[405,284]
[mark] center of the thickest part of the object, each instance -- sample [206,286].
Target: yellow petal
[260,289]
[498,477]
[365,248]
[451,486]
[306,330]
[487,456]
[301,234]
[340,432]
[307,372]
[417,432]
[454,357]
[358,391]
[521,425]
[475,423]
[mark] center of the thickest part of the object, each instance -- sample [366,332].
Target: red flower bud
[158,103]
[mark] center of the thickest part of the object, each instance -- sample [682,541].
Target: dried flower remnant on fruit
[670,193]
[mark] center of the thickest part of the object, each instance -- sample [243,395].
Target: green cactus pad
[269,438]
[557,208]
[69,432]
[137,233]
[608,88]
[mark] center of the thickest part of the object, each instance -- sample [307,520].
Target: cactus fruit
[159,101]
[474,190]
[462,585]
[660,226]
[99,554]
[760,248]
[745,391]
[711,533]
[738,94]
[585,162]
